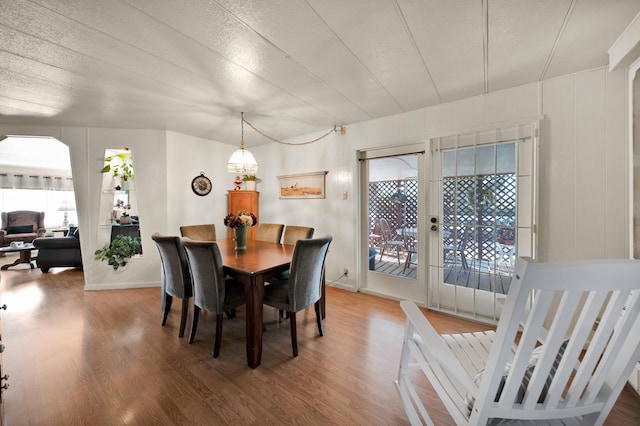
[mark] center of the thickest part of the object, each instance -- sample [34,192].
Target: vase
[250,185]
[241,237]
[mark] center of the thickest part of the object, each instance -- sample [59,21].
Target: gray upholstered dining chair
[212,292]
[270,232]
[176,279]
[290,236]
[303,288]
[206,232]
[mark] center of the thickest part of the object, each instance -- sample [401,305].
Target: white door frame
[392,286]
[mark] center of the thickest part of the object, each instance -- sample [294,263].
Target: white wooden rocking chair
[585,313]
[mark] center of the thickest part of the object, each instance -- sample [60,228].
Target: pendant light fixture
[242,161]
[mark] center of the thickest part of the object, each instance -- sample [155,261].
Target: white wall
[187,156]
[583,165]
[583,173]
[86,147]
[147,148]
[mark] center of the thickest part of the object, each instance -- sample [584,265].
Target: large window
[54,204]
[35,174]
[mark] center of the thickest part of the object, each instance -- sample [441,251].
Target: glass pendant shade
[242,162]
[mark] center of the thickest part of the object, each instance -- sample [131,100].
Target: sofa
[21,225]
[59,251]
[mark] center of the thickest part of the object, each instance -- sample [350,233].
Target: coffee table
[25,255]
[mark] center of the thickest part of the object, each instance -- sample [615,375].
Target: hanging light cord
[335,129]
[242,130]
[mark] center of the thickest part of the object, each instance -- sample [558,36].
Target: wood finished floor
[101,358]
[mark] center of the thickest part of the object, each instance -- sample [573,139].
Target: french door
[482,215]
[392,206]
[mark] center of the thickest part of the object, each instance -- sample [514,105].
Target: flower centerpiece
[239,223]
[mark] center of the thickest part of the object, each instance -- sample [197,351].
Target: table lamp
[66,206]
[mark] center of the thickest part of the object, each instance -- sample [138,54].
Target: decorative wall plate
[201,185]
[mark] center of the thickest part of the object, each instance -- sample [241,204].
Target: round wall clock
[201,185]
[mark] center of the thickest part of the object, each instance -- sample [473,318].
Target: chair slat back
[588,315]
[386,230]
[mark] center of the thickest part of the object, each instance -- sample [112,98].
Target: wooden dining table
[253,267]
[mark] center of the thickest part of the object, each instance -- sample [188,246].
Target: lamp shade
[242,162]
[66,206]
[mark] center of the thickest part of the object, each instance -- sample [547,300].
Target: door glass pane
[393,215]
[479,217]
[506,158]
[485,160]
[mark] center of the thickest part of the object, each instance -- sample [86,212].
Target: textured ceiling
[294,67]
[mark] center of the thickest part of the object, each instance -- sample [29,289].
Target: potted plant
[125,219]
[250,182]
[506,231]
[118,252]
[120,165]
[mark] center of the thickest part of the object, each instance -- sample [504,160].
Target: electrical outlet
[346,272]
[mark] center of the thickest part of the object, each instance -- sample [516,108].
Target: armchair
[21,225]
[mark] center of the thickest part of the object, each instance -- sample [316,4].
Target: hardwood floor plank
[80,357]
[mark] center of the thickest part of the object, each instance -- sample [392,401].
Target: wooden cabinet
[244,200]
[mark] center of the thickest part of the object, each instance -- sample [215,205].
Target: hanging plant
[119,251]
[479,197]
[120,164]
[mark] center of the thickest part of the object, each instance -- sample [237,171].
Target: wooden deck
[389,265]
[479,275]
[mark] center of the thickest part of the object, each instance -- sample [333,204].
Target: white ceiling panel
[259,65]
[592,28]
[294,67]
[375,33]
[441,28]
[522,35]
[318,50]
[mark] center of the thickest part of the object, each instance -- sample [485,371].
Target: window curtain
[28,181]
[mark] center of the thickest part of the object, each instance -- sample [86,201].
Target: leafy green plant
[249,178]
[120,164]
[118,252]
